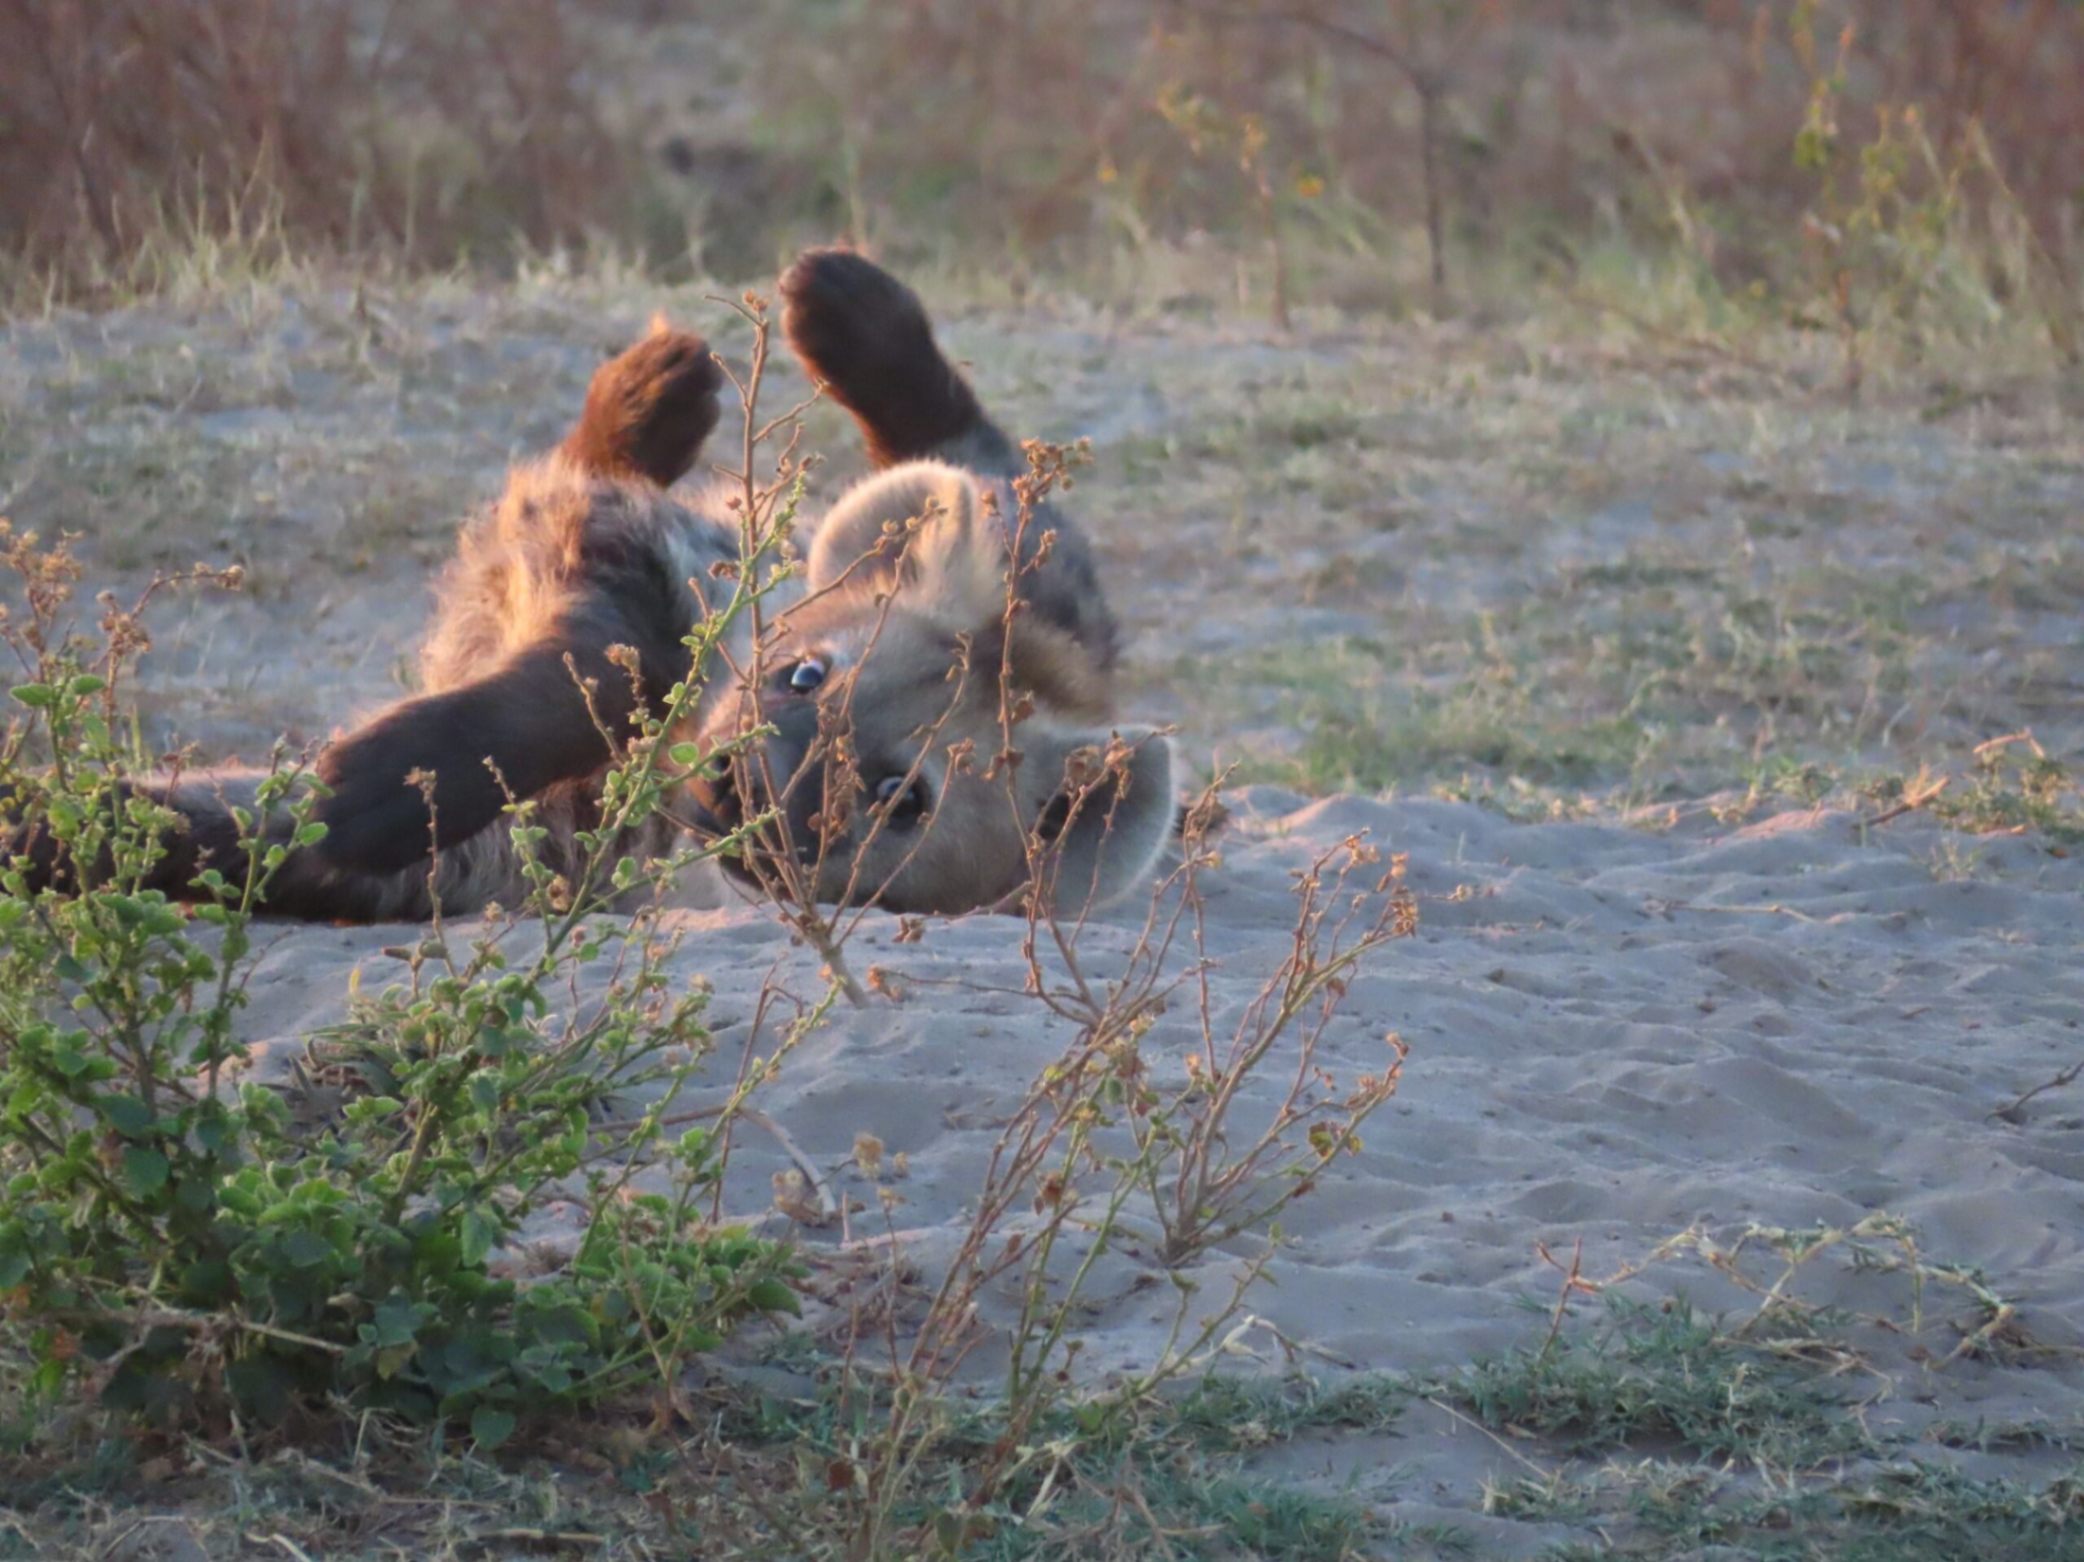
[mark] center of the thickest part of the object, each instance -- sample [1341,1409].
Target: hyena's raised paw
[649,409]
[867,337]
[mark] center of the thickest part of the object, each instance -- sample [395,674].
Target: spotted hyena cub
[881,697]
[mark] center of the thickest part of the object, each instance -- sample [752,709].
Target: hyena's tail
[648,409]
[867,338]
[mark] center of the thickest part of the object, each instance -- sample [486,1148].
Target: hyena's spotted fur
[587,552]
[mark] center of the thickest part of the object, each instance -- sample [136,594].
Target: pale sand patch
[1615,1034]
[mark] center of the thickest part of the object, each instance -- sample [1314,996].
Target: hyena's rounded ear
[929,532]
[1106,814]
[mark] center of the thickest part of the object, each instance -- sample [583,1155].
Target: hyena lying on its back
[890,656]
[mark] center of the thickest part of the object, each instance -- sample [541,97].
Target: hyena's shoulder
[562,543]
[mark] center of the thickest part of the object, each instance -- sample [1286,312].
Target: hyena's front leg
[519,730]
[528,722]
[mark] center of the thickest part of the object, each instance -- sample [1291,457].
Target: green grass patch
[1663,1431]
[1663,1374]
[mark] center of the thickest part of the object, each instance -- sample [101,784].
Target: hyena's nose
[712,806]
[774,777]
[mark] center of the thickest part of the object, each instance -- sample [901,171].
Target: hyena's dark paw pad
[649,409]
[867,336]
[845,313]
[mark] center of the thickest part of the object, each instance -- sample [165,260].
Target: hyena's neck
[981,447]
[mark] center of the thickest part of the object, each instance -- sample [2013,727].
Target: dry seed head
[792,1198]
[1051,1194]
[1404,914]
[868,1154]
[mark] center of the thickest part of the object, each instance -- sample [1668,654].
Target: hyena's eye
[807,674]
[901,800]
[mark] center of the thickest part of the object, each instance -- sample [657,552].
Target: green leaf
[207,1283]
[478,1232]
[128,1115]
[216,1135]
[775,1296]
[262,1385]
[490,1427]
[144,1168]
[397,1319]
[306,1249]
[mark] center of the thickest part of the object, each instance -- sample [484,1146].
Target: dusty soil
[1411,557]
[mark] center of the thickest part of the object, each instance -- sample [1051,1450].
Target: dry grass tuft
[429,134]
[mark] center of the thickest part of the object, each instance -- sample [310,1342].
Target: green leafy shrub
[190,1244]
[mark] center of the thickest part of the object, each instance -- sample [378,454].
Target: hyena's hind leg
[646,416]
[867,338]
[648,410]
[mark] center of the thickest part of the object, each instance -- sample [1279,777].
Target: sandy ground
[1616,1034]
[1620,1025]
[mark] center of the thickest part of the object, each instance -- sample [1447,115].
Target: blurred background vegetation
[1826,165]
